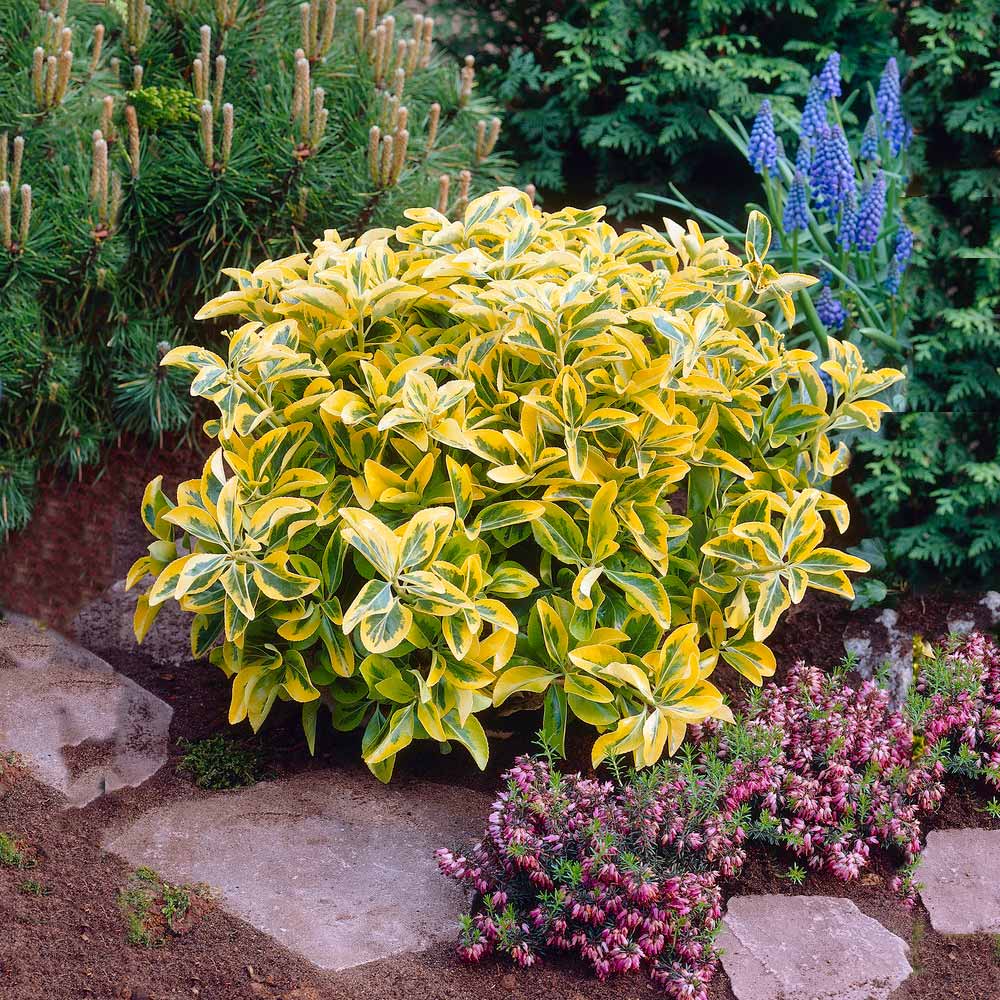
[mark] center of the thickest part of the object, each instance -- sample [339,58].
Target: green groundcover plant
[144,147]
[511,457]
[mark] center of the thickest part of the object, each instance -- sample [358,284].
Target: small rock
[509,983]
[881,644]
[808,947]
[958,881]
[260,990]
[303,993]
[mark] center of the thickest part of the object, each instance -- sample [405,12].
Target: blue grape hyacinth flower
[832,171]
[762,149]
[796,215]
[814,112]
[803,157]
[846,233]
[829,77]
[869,140]
[888,95]
[889,103]
[900,257]
[869,221]
[830,310]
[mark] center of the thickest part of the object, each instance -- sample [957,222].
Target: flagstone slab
[334,865]
[81,727]
[809,948]
[959,884]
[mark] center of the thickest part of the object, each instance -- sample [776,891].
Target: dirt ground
[70,941]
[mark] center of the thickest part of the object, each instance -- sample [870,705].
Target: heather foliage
[956,706]
[847,777]
[626,873]
[144,147]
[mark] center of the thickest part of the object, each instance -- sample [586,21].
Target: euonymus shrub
[513,456]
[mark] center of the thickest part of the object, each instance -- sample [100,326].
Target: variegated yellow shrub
[515,456]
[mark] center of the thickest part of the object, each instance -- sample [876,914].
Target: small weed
[218,763]
[176,903]
[30,887]
[796,874]
[992,808]
[12,853]
[153,908]
[995,940]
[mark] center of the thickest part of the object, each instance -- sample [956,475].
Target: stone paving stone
[105,624]
[334,865]
[83,728]
[960,888]
[809,948]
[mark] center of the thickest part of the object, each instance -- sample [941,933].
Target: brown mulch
[84,532]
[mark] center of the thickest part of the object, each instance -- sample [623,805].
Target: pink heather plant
[846,779]
[957,706]
[625,874]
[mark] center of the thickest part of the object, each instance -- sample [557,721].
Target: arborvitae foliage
[144,147]
[621,89]
[931,486]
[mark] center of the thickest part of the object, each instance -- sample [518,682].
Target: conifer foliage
[146,146]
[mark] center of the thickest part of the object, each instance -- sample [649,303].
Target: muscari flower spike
[796,216]
[829,77]
[831,173]
[846,234]
[830,310]
[869,140]
[888,102]
[887,97]
[803,158]
[814,112]
[900,258]
[869,220]
[762,149]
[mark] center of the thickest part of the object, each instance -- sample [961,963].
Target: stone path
[83,728]
[332,864]
[960,887]
[809,948]
[340,868]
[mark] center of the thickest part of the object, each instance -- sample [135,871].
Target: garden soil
[70,942]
